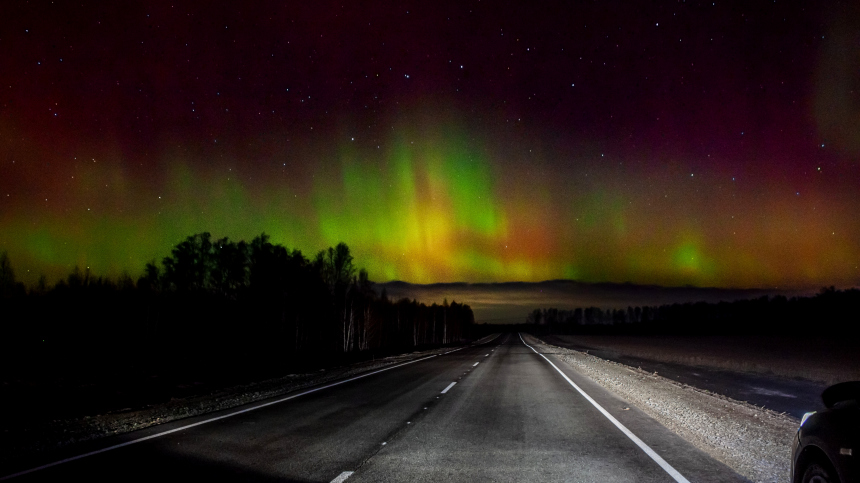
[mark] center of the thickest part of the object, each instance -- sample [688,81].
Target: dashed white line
[449,387]
[342,477]
[475,364]
[235,413]
[486,355]
[644,447]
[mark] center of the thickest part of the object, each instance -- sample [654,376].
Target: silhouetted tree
[189,267]
[831,311]
[219,307]
[151,279]
[7,276]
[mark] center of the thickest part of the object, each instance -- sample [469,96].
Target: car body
[827,446]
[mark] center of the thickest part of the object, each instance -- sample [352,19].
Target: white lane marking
[486,355]
[449,387]
[342,477]
[647,449]
[489,338]
[235,413]
[475,364]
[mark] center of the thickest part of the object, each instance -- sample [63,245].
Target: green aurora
[434,204]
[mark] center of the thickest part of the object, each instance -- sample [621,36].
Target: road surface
[497,411]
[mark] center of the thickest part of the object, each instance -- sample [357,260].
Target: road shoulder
[754,442]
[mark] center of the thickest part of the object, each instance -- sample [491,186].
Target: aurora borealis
[693,143]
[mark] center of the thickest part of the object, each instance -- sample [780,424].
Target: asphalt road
[511,416]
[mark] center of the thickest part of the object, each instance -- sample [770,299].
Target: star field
[703,143]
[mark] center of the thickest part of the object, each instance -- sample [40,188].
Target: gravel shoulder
[754,441]
[46,437]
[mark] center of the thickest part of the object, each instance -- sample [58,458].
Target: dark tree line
[219,303]
[9,287]
[831,312]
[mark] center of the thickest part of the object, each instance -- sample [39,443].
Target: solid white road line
[342,477]
[475,364]
[235,413]
[449,387]
[647,449]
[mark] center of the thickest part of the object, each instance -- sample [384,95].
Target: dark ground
[56,405]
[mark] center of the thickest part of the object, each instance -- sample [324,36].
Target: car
[827,444]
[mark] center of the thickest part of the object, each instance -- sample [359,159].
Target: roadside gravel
[754,441]
[52,435]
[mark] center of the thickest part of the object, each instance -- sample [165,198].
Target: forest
[216,304]
[829,313]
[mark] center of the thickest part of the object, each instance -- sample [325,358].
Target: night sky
[672,143]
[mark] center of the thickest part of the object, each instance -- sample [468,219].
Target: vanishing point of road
[496,411]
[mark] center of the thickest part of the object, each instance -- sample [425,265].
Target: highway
[497,411]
